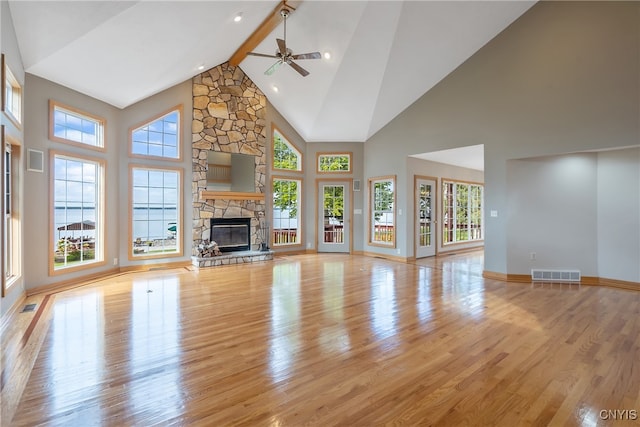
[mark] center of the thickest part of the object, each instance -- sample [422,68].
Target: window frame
[101,123]
[291,145]
[372,201]
[299,216]
[446,205]
[347,154]
[100,248]
[179,132]
[11,269]
[179,213]
[14,111]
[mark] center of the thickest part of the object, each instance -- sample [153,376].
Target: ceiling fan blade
[273,68]
[282,46]
[261,54]
[311,55]
[298,68]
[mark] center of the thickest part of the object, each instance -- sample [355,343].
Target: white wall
[552,212]
[618,210]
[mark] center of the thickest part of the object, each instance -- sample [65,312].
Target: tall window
[12,95]
[159,137]
[77,205]
[285,154]
[8,208]
[462,212]
[382,211]
[72,126]
[286,211]
[156,212]
[334,162]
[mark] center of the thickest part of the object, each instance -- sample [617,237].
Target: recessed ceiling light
[237,18]
[275,88]
[200,67]
[327,55]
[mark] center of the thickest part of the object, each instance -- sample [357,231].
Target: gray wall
[117,160]
[36,206]
[133,116]
[9,47]
[562,78]
[552,212]
[357,150]
[618,211]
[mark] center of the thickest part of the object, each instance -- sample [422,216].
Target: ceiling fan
[285,55]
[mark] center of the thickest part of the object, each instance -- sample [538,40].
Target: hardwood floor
[325,340]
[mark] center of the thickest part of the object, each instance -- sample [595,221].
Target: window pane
[159,138]
[72,126]
[286,211]
[155,227]
[285,156]
[382,221]
[76,228]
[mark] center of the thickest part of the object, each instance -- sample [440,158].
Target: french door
[334,216]
[425,219]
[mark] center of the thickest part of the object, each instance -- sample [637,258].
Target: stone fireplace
[231,234]
[229,116]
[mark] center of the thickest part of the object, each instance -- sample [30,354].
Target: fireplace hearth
[231,234]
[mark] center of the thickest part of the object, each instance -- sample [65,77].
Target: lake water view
[148,223]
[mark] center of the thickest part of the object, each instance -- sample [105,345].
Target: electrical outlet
[309,245]
[115,261]
[532,256]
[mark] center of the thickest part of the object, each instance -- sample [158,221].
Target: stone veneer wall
[229,116]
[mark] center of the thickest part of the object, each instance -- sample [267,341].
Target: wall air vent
[555,275]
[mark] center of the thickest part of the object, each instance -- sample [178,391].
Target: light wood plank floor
[326,340]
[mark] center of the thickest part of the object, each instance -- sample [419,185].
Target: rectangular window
[78,195]
[285,155]
[8,208]
[334,162]
[11,237]
[462,212]
[158,137]
[382,211]
[72,126]
[11,95]
[286,228]
[155,212]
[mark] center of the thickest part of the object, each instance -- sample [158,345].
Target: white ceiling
[384,54]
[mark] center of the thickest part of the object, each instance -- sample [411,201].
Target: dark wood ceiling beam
[264,29]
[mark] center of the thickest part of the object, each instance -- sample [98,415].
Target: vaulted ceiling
[384,54]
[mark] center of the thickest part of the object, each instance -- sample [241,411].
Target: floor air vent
[29,307]
[556,275]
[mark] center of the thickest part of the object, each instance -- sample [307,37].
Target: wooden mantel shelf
[230,195]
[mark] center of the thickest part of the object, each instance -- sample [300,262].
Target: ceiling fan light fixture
[284,55]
